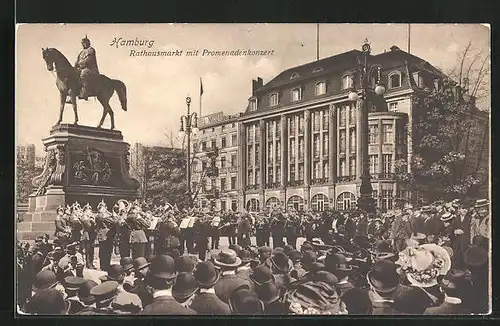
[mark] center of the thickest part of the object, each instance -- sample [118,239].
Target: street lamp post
[189,124]
[366,201]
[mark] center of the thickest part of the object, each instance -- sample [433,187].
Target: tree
[25,172]
[449,137]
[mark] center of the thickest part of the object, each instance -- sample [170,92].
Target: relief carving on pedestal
[93,169]
[58,175]
[43,180]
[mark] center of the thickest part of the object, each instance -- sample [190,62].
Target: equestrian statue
[84,81]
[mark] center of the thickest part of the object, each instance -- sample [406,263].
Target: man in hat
[160,280]
[71,286]
[104,295]
[47,302]
[480,223]
[185,288]
[262,233]
[206,301]
[63,230]
[215,231]
[88,237]
[281,266]
[202,232]
[244,301]
[228,262]
[269,294]
[292,230]
[244,270]
[456,287]
[106,231]
[124,302]
[264,253]
[141,269]
[86,65]
[341,268]
[84,296]
[72,263]
[297,271]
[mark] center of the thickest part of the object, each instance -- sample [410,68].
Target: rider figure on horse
[86,65]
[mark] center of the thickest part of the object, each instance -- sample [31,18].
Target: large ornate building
[298,142]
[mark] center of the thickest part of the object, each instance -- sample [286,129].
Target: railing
[346,178]
[229,169]
[273,185]
[295,183]
[319,181]
[251,187]
[383,176]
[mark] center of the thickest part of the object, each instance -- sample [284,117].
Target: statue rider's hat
[85,39]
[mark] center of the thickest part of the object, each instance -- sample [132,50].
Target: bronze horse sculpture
[69,85]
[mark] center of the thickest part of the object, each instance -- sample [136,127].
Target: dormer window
[347,82]
[296,94]
[294,75]
[252,104]
[395,79]
[320,88]
[317,69]
[273,99]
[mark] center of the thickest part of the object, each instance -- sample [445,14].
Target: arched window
[296,202]
[272,202]
[297,94]
[347,81]
[294,75]
[320,88]
[319,203]
[253,205]
[395,79]
[346,201]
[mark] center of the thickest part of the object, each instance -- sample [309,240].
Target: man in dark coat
[228,262]
[86,65]
[206,301]
[106,230]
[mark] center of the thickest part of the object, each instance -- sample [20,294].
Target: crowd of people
[432,259]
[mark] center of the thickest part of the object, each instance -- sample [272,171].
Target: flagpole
[317,42]
[201,94]
[409,38]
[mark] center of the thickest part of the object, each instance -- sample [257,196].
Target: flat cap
[73,283]
[104,290]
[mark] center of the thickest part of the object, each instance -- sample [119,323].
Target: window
[325,169]
[253,104]
[278,175]
[292,172]
[278,130]
[250,155]
[270,152]
[292,125]
[301,124]
[233,160]
[419,81]
[387,163]
[296,94]
[342,116]
[387,135]
[301,147]
[273,99]
[223,142]
[223,162]
[316,146]
[352,167]
[257,177]
[272,202]
[316,119]
[395,80]
[352,140]
[319,203]
[222,184]
[213,184]
[203,165]
[233,182]
[325,120]
[222,128]
[270,175]
[346,201]
[325,144]
[257,156]
[373,135]
[203,145]
[301,172]
[347,82]
[342,134]
[234,205]
[213,144]
[223,205]
[293,152]
[342,170]
[386,199]
[278,152]
[352,115]
[234,142]
[393,107]
[296,202]
[249,134]
[317,170]
[253,205]
[320,88]
[373,164]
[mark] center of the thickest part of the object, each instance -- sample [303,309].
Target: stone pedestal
[83,164]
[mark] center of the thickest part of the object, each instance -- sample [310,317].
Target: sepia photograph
[253,169]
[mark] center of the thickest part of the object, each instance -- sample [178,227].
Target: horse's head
[48,56]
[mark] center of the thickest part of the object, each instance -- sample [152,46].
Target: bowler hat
[115,273]
[261,275]
[267,292]
[227,258]
[276,250]
[140,263]
[383,276]
[476,256]
[184,264]
[281,262]
[235,247]
[340,263]
[245,256]
[244,301]
[84,292]
[45,279]
[306,247]
[295,256]
[73,283]
[185,286]
[327,277]
[265,250]
[127,263]
[206,275]
[48,302]
[309,257]
[163,267]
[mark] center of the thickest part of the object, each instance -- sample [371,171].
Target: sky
[157,86]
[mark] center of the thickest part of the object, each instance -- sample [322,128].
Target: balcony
[251,187]
[319,181]
[346,178]
[229,169]
[295,183]
[383,176]
[273,185]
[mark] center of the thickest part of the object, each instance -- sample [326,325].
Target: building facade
[298,142]
[216,132]
[27,154]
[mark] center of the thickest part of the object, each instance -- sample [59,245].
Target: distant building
[27,153]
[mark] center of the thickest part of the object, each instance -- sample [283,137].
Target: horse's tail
[121,90]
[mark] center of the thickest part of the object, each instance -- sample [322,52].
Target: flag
[201,87]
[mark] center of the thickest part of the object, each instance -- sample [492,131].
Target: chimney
[395,48]
[256,84]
